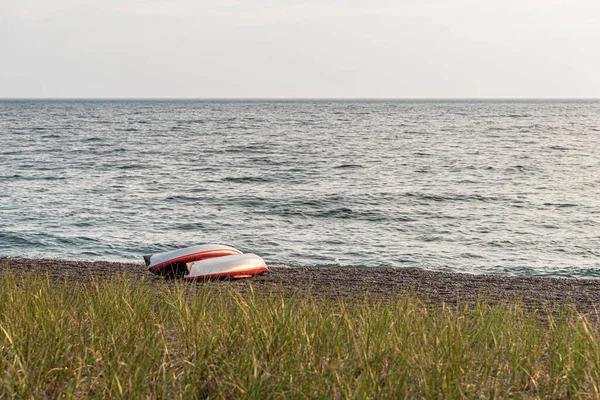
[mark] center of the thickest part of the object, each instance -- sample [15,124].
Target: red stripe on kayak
[204,255]
[253,271]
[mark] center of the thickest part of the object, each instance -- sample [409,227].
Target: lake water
[502,187]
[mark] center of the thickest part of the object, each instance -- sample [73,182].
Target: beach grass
[125,338]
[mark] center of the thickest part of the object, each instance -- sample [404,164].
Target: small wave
[32,178]
[250,148]
[561,205]
[117,150]
[33,240]
[10,239]
[348,166]
[237,127]
[453,197]
[266,160]
[516,115]
[517,168]
[247,179]
[338,213]
[133,166]
[342,212]
[567,272]
[90,253]
[82,224]
[236,150]
[180,197]
[75,240]
[189,226]
[501,243]
[472,256]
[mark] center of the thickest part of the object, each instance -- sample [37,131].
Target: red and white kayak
[158,262]
[236,266]
[205,261]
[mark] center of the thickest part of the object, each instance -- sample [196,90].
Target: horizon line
[303,98]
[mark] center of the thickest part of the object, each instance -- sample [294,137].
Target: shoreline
[429,286]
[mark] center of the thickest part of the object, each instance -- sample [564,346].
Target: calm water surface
[479,187]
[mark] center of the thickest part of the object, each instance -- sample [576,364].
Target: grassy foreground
[125,338]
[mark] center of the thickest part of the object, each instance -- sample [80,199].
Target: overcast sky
[300,49]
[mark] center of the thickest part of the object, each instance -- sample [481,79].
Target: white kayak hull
[159,262]
[239,265]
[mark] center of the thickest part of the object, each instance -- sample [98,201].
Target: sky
[299,49]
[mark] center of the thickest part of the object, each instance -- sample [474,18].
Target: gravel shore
[432,287]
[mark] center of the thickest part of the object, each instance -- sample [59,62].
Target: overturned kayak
[162,263]
[234,266]
[205,261]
